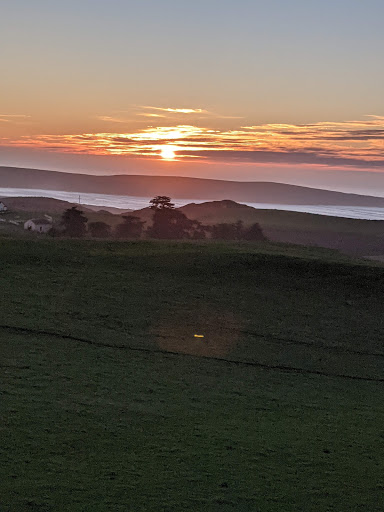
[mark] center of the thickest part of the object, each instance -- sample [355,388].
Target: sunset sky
[274,90]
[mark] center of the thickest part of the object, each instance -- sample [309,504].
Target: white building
[40,225]
[3,208]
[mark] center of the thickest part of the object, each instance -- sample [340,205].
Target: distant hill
[352,236]
[38,204]
[50,205]
[108,209]
[181,188]
[214,212]
[24,208]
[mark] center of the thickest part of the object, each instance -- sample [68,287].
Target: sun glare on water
[168,152]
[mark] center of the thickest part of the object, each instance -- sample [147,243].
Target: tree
[74,222]
[237,231]
[99,229]
[169,224]
[132,227]
[254,233]
[198,231]
[161,203]
[225,231]
[239,227]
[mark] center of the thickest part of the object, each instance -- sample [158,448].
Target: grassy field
[109,402]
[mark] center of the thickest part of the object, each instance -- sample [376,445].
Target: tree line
[168,223]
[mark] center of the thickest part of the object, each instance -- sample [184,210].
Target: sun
[168,152]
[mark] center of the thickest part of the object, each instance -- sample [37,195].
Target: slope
[112,404]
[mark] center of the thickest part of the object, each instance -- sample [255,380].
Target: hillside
[230,211]
[39,204]
[352,236]
[52,206]
[105,388]
[180,187]
[24,208]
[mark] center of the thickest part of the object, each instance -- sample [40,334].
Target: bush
[132,227]
[99,229]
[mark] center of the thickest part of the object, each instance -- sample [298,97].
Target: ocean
[135,203]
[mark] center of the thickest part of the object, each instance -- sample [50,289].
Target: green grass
[145,417]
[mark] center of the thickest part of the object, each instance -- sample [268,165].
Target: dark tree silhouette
[239,227]
[198,231]
[74,222]
[161,203]
[254,233]
[169,224]
[225,231]
[132,227]
[99,229]
[237,231]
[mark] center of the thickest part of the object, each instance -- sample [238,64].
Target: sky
[274,90]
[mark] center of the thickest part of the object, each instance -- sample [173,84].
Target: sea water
[135,203]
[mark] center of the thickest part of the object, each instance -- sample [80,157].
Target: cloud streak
[170,113]
[353,143]
[178,110]
[112,119]
[13,118]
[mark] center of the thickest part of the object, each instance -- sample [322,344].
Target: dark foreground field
[109,402]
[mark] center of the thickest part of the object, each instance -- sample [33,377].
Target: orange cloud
[112,119]
[350,143]
[188,111]
[150,115]
[179,110]
[163,113]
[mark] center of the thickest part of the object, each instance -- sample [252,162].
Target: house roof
[40,221]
